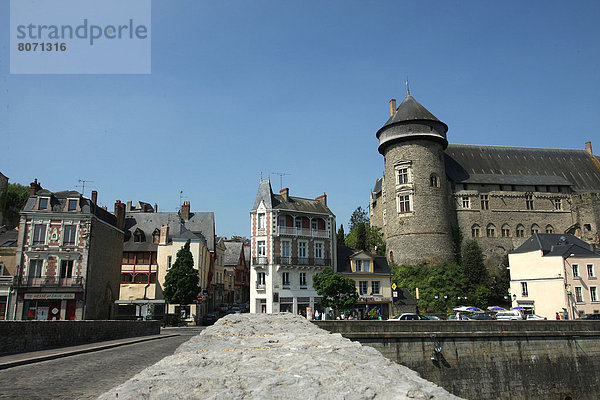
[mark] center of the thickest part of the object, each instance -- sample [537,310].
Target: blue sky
[240,87]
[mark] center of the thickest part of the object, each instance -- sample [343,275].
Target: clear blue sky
[240,87]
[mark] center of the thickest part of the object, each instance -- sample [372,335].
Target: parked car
[534,317]
[210,318]
[482,317]
[459,317]
[509,315]
[409,317]
[432,317]
[235,310]
[592,316]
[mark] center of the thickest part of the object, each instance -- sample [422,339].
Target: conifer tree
[341,237]
[181,282]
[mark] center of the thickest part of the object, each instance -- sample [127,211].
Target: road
[86,376]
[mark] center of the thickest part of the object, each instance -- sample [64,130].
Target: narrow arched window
[535,229]
[505,230]
[549,229]
[434,181]
[475,231]
[490,231]
[520,231]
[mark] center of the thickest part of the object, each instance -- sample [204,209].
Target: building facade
[8,257]
[68,258]
[496,195]
[152,240]
[555,273]
[292,239]
[238,268]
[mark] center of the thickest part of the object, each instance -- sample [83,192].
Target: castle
[496,195]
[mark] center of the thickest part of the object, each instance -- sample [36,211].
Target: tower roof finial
[407,87]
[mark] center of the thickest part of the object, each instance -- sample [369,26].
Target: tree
[336,291]
[472,263]
[359,216]
[374,238]
[181,282]
[457,238]
[361,237]
[341,237]
[12,202]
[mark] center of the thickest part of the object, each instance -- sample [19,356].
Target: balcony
[292,231]
[260,260]
[261,286]
[303,261]
[42,281]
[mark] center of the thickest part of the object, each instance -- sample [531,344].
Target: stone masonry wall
[23,336]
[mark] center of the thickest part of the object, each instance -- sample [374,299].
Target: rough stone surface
[275,356]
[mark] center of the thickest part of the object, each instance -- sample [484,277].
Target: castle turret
[416,215]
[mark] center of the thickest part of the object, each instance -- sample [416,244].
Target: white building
[292,239]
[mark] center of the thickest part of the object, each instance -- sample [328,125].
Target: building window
[466,202]
[524,290]
[366,265]
[285,252]
[590,270]
[39,234]
[285,277]
[260,280]
[66,269]
[535,229]
[490,231]
[593,294]
[139,236]
[69,235]
[485,201]
[505,230]
[318,250]
[549,229]
[557,204]
[302,280]
[578,294]
[575,270]
[402,177]
[156,236]
[126,277]
[475,231]
[261,221]
[375,287]
[302,252]
[314,225]
[298,223]
[520,231]
[43,204]
[403,203]
[529,201]
[358,265]
[262,248]
[281,220]
[72,205]
[363,287]
[434,181]
[169,261]
[35,268]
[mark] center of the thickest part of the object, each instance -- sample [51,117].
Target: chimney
[164,234]
[285,193]
[322,199]
[34,187]
[155,207]
[392,107]
[588,148]
[129,206]
[185,211]
[120,214]
[94,197]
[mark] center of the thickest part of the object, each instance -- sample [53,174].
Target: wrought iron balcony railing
[39,281]
[293,231]
[303,261]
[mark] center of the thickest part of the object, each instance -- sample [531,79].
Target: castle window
[529,201]
[485,202]
[434,181]
[558,204]
[490,231]
[505,230]
[549,229]
[475,231]
[466,202]
[520,231]
[535,229]
[403,203]
[402,177]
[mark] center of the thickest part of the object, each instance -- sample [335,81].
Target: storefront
[51,306]
[372,307]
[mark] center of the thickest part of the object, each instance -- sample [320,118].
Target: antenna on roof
[181,197]
[281,174]
[82,185]
[407,86]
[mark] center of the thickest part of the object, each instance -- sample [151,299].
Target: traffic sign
[199,299]
[394,286]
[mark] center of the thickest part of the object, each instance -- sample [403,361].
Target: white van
[509,315]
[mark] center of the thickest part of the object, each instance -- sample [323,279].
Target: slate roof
[9,238]
[411,110]
[232,252]
[343,261]
[556,244]
[523,166]
[377,188]
[58,203]
[201,225]
[276,201]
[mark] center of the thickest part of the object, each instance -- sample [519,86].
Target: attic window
[43,204]
[156,236]
[72,205]
[138,236]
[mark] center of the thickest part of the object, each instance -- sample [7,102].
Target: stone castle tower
[413,206]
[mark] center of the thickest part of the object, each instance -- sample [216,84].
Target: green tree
[341,237]
[181,282]
[336,291]
[359,216]
[373,238]
[361,237]
[499,284]
[472,262]
[12,202]
[457,238]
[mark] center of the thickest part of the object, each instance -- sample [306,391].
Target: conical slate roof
[411,110]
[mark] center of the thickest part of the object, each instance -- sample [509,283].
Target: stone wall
[490,360]
[23,336]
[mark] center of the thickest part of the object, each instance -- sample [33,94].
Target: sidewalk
[14,360]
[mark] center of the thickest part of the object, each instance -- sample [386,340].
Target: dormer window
[138,235]
[156,236]
[43,203]
[72,205]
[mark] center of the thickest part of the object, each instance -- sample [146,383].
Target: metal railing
[303,261]
[293,231]
[260,260]
[48,281]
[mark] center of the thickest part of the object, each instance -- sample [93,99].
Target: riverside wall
[490,359]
